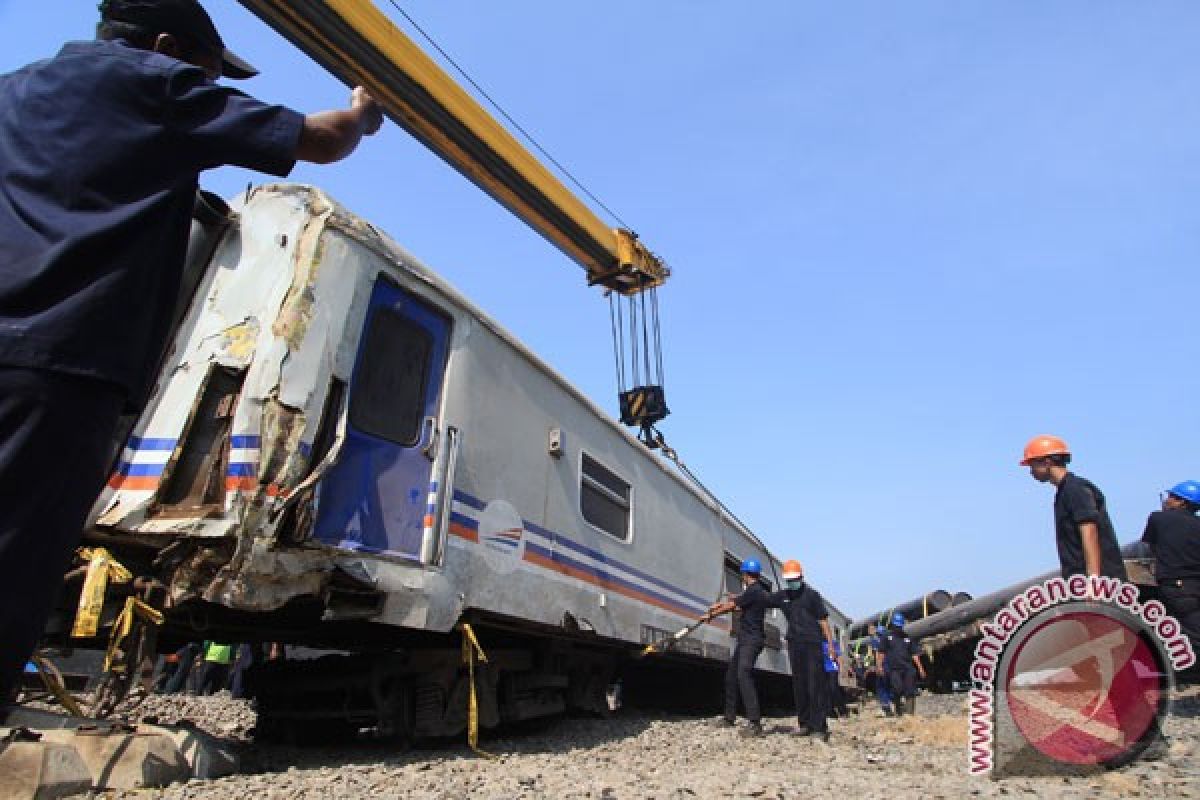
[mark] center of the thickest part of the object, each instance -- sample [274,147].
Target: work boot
[720,722]
[751,730]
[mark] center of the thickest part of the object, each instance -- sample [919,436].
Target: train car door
[374,498]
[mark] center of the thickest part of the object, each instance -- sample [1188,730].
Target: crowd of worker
[814,654]
[209,667]
[1087,545]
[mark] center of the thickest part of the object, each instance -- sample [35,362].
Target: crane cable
[500,110]
[671,454]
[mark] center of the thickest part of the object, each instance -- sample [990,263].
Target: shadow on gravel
[560,735]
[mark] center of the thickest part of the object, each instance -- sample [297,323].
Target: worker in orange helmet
[1087,543]
[808,625]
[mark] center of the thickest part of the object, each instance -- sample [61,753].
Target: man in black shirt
[101,147]
[900,663]
[1087,543]
[751,637]
[808,624]
[1174,537]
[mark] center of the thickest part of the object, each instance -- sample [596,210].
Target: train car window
[388,392]
[604,499]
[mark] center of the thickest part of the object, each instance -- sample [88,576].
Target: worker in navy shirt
[883,688]
[100,151]
[1087,543]
[753,603]
[807,630]
[1174,537]
[900,664]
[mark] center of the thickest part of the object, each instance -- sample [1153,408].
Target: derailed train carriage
[344,452]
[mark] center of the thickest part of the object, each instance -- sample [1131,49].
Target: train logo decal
[498,528]
[501,530]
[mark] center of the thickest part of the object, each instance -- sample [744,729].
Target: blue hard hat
[898,619]
[1188,490]
[751,567]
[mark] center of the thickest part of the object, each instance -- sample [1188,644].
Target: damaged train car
[344,452]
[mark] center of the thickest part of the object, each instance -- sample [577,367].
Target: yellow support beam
[359,45]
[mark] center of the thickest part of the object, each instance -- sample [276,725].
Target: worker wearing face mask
[808,627]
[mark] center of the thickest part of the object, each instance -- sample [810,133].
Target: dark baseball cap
[186,19]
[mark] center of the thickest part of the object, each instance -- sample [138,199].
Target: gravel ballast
[659,755]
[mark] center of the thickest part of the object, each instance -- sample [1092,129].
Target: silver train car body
[337,429]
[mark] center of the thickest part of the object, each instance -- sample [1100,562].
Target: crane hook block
[643,406]
[635,270]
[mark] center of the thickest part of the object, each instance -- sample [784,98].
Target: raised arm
[330,136]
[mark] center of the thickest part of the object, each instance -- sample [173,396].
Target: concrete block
[122,759]
[207,756]
[41,770]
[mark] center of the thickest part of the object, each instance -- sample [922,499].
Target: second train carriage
[343,450]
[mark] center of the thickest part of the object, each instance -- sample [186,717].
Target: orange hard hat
[792,569]
[1040,446]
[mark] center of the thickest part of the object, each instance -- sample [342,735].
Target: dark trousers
[739,679]
[213,677]
[903,680]
[247,657]
[186,656]
[837,700]
[56,446]
[1184,605]
[809,688]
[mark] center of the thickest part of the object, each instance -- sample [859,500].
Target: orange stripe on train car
[133,483]
[542,561]
[462,531]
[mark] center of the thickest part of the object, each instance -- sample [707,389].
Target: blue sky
[906,237]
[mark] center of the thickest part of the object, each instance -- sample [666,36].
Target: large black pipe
[960,615]
[917,608]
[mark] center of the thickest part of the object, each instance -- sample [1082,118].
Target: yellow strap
[124,626]
[102,568]
[471,650]
[51,681]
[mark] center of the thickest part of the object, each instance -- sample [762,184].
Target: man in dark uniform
[100,151]
[1174,537]
[883,688]
[808,626]
[901,663]
[1087,543]
[751,638]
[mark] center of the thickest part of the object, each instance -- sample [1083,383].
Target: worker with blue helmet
[1173,535]
[753,603]
[899,661]
[883,689]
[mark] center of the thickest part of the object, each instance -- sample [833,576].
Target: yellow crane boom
[359,45]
